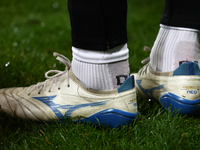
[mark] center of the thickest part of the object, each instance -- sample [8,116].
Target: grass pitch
[30,31]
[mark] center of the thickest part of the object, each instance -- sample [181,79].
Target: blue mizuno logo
[48,100]
[134,104]
[148,92]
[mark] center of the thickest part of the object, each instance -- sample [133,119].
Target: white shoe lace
[55,79]
[143,70]
[146,60]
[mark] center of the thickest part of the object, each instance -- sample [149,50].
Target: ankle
[101,70]
[101,76]
[173,46]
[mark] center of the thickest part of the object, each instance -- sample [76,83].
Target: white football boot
[178,90]
[62,95]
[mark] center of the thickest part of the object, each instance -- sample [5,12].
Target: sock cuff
[178,28]
[118,53]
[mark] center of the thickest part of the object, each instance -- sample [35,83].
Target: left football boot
[62,95]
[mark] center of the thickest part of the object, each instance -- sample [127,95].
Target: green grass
[30,31]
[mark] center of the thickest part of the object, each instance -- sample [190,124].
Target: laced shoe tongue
[55,79]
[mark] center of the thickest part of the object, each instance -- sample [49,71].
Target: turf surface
[30,31]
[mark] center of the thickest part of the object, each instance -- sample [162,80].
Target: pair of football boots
[62,95]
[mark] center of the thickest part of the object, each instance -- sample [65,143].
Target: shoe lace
[146,60]
[143,70]
[55,79]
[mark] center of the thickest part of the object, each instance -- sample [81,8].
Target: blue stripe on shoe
[48,100]
[187,68]
[127,85]
[149,92]
[113,118]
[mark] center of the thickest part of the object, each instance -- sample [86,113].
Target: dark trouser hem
[182,13]
[98,24]
[99,45]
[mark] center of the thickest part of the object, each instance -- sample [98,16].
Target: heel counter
[187,68]
[127,85]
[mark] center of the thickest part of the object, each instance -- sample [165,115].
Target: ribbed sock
[99,72]
[101,76]
[174,46]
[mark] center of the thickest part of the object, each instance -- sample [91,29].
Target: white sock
[101,70]
[173,46]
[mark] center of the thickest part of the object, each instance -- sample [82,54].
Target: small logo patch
[191,89]
[192,92]
[121,79]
